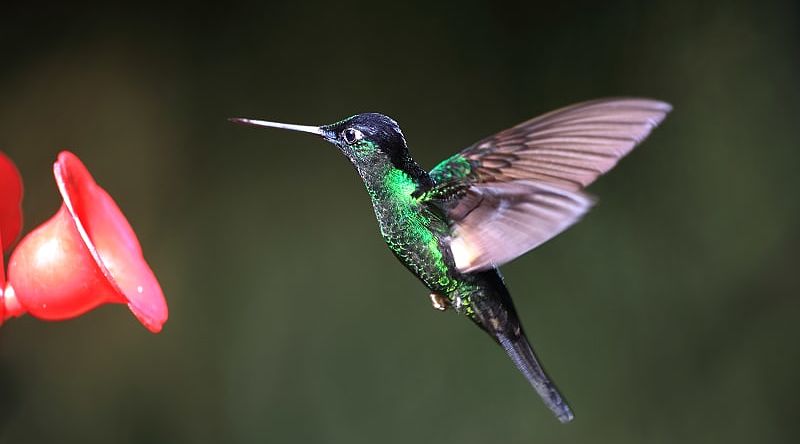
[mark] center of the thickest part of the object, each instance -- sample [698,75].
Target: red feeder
[10,215]
[84,256]
[10,203]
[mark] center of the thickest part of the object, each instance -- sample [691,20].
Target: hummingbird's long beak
[302,128]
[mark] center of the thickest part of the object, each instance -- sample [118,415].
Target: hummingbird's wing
[512,191]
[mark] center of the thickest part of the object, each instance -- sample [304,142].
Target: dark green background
[670,314]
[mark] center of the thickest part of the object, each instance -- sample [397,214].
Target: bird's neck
[391,190]
[388,186]
[388,183]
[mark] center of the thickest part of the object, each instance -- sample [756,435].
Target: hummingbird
[454,225]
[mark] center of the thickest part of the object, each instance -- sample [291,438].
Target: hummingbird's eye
[351,135]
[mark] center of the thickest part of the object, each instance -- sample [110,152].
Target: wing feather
[524,185]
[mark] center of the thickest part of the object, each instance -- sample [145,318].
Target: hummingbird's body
[419,237]
[488,204]
[411,230]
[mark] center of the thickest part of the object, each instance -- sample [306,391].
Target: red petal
[10,202]
[111,241]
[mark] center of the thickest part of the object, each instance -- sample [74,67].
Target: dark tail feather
[520,351]
[494,312]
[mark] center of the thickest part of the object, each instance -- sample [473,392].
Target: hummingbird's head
[371,141]
[368,139]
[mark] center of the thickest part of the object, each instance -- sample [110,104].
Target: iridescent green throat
[413,233]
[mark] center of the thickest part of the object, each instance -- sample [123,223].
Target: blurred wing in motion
[511,192]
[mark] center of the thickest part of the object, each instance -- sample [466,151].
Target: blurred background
[670,314]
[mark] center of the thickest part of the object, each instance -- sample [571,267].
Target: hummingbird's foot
[439,302]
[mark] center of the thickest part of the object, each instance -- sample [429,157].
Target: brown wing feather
[498,222]
[569,147]
[526,182]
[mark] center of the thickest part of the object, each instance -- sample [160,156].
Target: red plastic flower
[84,256]
[10,203]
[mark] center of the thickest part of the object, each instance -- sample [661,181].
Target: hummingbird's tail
[520,351]
[494,312]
